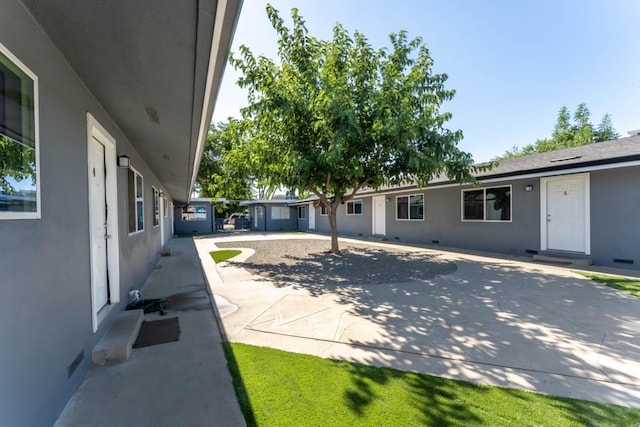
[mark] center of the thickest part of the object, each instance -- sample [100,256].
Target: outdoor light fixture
[123,161]
[528,187]
[388,199]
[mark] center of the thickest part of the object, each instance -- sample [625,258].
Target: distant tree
[336,116]
[568,133]
[605,130]
[223,170]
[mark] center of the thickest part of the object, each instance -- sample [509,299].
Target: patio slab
[493,321]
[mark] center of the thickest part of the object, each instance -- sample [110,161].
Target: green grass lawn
[624,284]
[277,388]
[224,254]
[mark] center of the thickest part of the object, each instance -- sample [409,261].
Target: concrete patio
[495,321]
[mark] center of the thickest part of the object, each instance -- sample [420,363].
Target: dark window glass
[402,207]
[354,208]
[498,204]
[473,205]
[417,207]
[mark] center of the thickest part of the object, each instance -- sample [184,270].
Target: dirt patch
[307,261]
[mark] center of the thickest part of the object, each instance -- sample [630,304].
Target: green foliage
[223,168]
[276,388]
[567,134]
[335,116]
[624,284]
[224,254]
[17,161]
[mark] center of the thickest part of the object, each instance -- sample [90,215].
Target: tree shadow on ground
[358,265]
[529,309]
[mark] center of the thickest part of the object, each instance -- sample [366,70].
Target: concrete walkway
[182,383]
[494,321]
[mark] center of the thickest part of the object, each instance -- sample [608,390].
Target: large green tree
[569,133]
[334,116]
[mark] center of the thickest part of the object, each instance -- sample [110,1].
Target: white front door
[379,218]
[312,217]
[567,213]
[99,231]
[103,221]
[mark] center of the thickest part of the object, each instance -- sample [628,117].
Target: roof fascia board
[220,39]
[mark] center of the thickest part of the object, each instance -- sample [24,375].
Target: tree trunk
[333,209]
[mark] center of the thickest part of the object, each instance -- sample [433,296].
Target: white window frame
[135,192]
[282,210]
[302,212]
[156,207]
[484,201]
[353,207]
[36,129]
[408,197]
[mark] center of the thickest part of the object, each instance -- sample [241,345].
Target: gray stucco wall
[442,223]
[261,218]
[282,224]
[615,233]
[615,217]
[45,291]
[188,227]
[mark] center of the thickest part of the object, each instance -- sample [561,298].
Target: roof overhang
[155,67]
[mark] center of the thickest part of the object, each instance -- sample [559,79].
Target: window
[487,204]
[302,212]
[19,174]
[194,213]
[354,207]
[136,201]
[156,207]
[280,212]
[410,207]
[324,211]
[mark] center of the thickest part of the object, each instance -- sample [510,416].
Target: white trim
[484,211]
[135,183]
[95,130]
[408,196]
[36,129]
[156,195]
[586,177]
[585,169]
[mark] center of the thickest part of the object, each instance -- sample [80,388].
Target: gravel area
[307,261]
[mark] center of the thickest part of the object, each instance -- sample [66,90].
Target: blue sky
[513,63]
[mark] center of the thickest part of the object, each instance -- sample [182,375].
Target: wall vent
[76,362]
[435,242]
[531,251]
[623,261]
